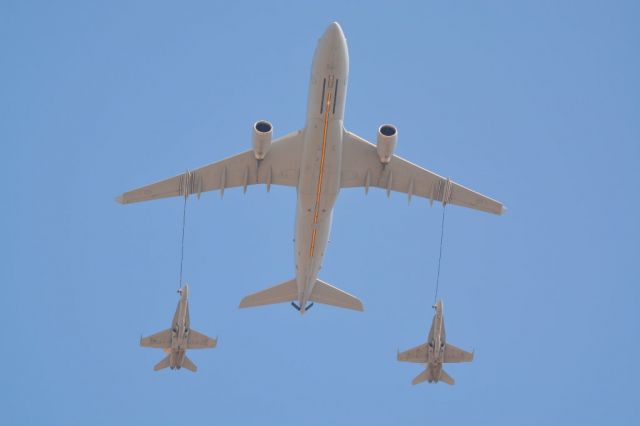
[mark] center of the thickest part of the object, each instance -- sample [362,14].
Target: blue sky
[533,103]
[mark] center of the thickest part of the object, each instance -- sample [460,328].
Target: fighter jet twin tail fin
[427,375]
[186,363]
[288,291]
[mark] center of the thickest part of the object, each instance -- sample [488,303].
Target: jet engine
[262,132]
[387,137]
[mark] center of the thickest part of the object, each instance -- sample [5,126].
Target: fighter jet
[318,160]
[176,340]
[435,352]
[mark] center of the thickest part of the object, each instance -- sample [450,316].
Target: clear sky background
[536,104]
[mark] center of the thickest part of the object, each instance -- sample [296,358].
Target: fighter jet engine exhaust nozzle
[262,132]
[387,137]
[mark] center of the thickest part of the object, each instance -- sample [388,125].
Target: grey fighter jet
[176,340]
[435,352]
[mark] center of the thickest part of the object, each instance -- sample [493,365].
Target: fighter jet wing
[281,166]
[417,354]
[200,341]
[454,354]
[159,340]
[361,167]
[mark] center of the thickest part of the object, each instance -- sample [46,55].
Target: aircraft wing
[159,340]
[281,166]
[417,354]
[361,167]
[454,354]
[200,341]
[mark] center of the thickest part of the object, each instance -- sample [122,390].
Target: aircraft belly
[317,192]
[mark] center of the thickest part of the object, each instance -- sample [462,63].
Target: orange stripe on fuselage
[316,211]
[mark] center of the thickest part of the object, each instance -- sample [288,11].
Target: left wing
[159,340]
[200,341]
[417,354]
[361,167]
[281,166]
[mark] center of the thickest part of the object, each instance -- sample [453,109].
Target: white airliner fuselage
[317,160]
[321,160]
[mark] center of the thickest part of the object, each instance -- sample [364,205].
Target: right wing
[417,354]
[281,166]
[361,167]
[454,354]
[200,341]
[159,340]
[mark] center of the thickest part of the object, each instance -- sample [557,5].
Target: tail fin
[188,364]
[162,364]
[288,291]
[329,295]
[284,292]
[426,375]
[444,377]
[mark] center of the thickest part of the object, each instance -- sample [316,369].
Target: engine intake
[262,132]
[387,137]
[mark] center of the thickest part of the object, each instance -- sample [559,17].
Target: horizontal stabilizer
[285,292]
[188,364]
[427,375]
[330,295]
[423,377]
[444,377]
[162,364]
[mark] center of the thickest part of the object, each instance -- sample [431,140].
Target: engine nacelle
[262,132]
[387,137]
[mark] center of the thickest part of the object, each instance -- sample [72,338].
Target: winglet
[504,210]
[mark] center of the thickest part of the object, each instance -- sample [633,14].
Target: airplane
[435,352]
[318,161]
[176,340]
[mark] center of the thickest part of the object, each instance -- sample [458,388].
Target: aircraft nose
[334,33]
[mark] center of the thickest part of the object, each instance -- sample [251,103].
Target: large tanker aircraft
[318,160]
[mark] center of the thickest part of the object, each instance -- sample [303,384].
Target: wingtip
[503,210]
[120,199]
